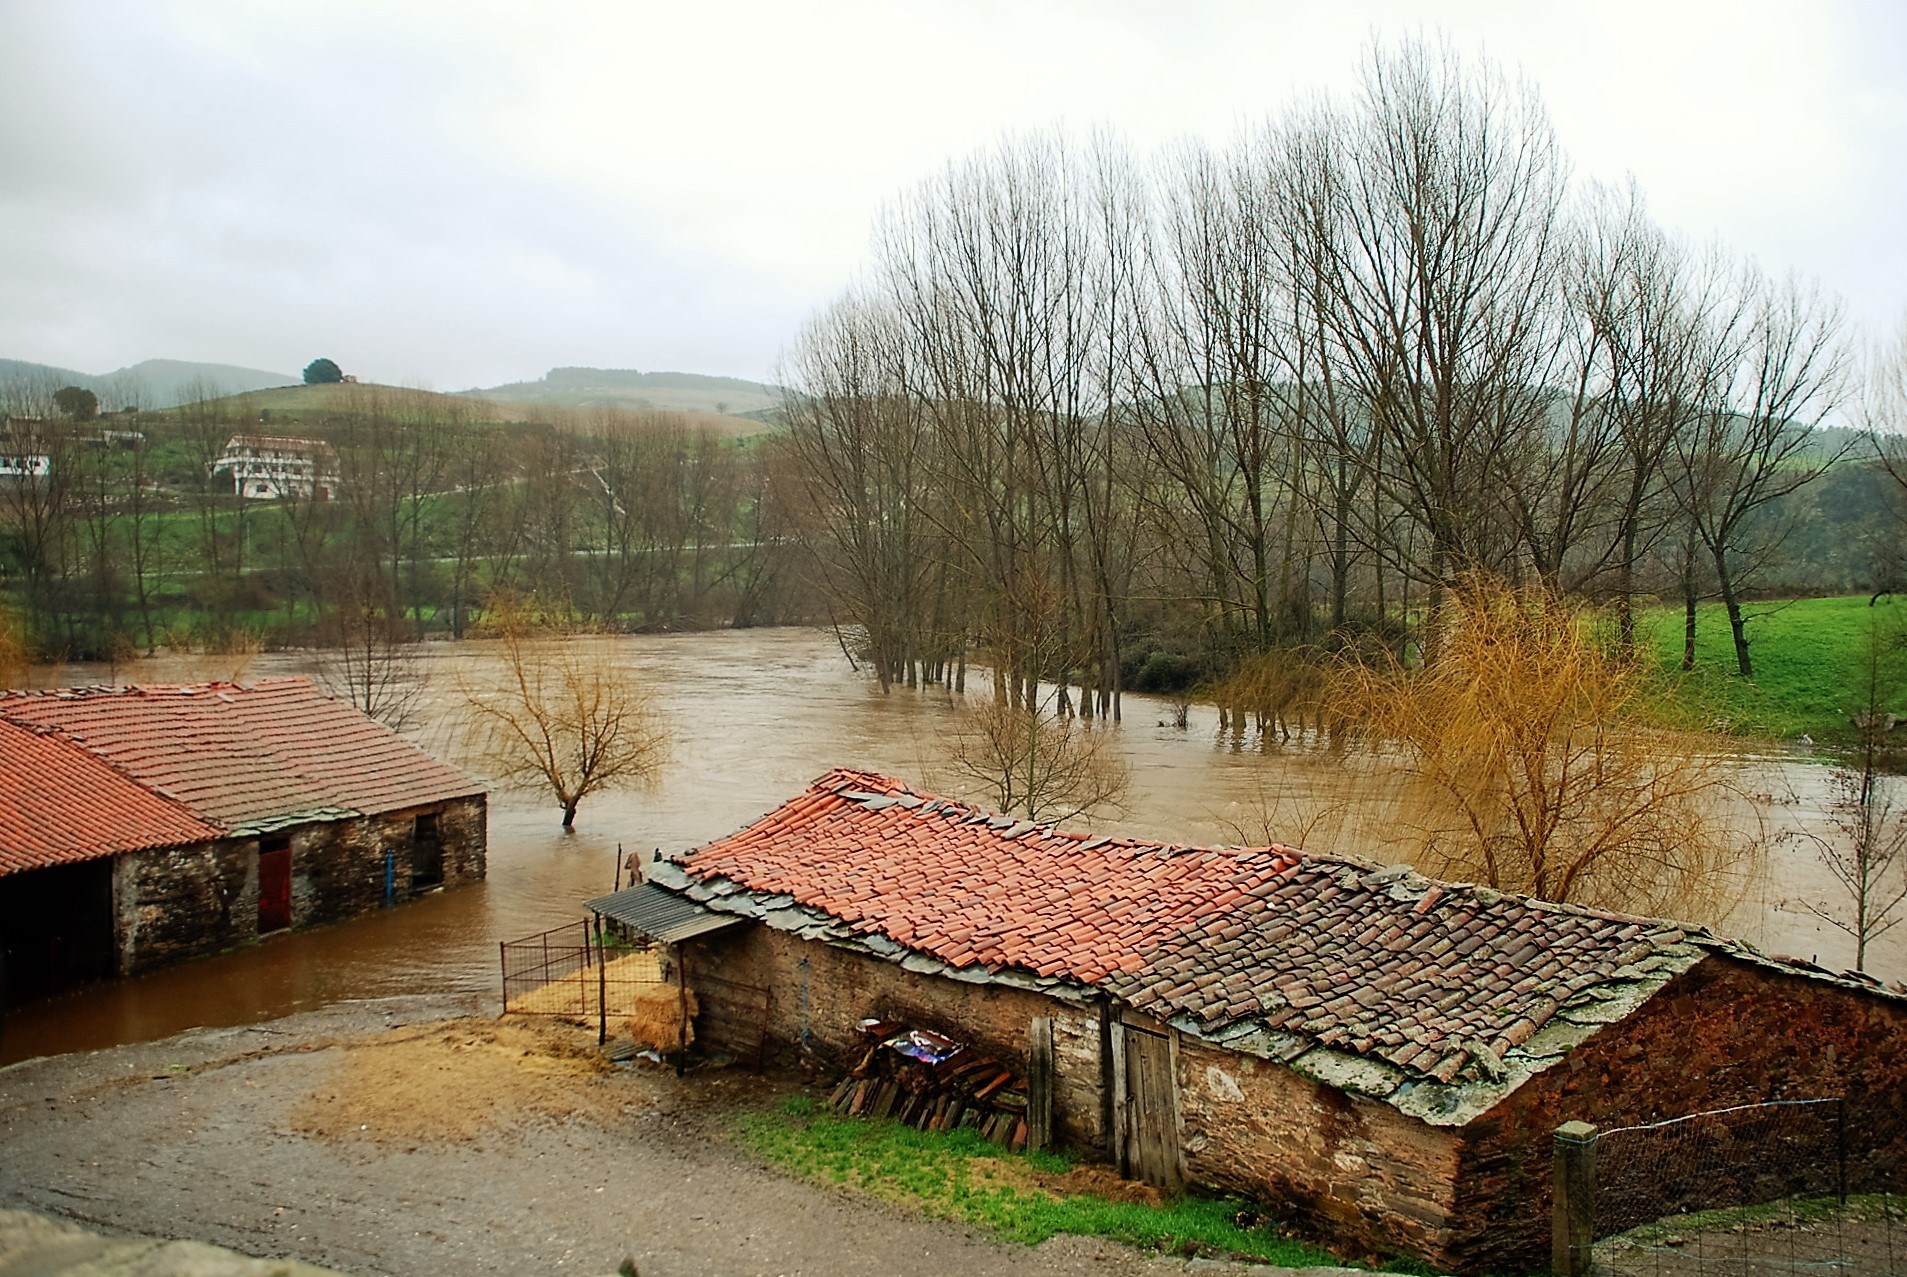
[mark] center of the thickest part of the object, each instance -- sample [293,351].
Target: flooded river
[753,716]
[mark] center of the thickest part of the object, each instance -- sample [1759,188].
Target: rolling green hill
[627,388]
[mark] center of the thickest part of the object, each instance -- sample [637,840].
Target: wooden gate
[1147,1096]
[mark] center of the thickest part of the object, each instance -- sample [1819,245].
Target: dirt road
[420,1136]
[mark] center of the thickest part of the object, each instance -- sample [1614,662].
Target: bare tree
[1886,406]
[995,273]
[1867,853]
[1653,305]
[1533,767]
[372,663]
[1779,365]
[565,719]
[1028,760]
[1444,291]
[865,495]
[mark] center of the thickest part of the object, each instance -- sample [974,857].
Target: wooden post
[1039,1084]
[1121,1133]
[1572,1228]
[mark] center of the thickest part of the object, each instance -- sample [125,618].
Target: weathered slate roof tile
[1435,980]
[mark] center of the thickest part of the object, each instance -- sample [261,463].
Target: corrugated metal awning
[661,914]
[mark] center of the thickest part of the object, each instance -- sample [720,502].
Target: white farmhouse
[271,468]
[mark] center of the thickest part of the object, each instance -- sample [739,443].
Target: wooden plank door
[274,885]
[1152,1107]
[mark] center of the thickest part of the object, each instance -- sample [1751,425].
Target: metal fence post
[1572,1228]
[1840,1149]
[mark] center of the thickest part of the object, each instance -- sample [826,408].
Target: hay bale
[662,1017]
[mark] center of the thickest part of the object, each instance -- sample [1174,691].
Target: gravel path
[423,1136]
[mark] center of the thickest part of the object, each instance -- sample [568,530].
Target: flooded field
[754,716]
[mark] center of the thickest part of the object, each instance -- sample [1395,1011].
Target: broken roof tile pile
[231,758]
[1281,953]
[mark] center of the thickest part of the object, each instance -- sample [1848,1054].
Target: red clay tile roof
[1432,979]
[60,805]
[245,756]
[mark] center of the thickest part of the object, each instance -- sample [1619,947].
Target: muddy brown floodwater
[753,716]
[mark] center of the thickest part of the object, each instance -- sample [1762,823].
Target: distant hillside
[628,388]
[298,402]
[152,383]
[285,406]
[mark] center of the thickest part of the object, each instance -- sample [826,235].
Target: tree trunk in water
[569,815]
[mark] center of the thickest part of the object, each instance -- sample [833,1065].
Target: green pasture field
[1808,656]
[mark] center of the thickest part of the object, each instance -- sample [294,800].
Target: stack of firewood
[933,1084]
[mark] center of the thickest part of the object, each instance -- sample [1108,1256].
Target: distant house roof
[60,804]
[245,757]
[1373,978]
[281,444]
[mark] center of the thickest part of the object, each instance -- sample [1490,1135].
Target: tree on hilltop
[76,402]
[323,372]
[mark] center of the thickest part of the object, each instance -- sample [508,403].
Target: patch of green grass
[1807,655]
[946,1174]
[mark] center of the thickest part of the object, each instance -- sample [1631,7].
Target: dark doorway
[274,883]
[56,928]
[427,853]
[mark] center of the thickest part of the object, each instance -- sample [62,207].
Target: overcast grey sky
[465,193]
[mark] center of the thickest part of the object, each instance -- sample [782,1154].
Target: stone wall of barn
[1351,1170]
[175,903]
[821,993]
[1723,1033]
[183,902]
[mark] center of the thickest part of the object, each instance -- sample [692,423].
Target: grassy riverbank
[1025,1198]
[1808,656]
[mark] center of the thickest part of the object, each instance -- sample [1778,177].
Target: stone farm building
[1383,1057]
[143,825]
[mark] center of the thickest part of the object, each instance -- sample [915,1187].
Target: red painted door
[274,887]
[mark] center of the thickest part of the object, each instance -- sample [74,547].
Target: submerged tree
[566,718]
[1533,768]
[1867,851]
[373,664]
[1029,761]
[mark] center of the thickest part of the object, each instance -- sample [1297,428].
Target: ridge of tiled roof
[245,757]
[60,804]
[1435,996]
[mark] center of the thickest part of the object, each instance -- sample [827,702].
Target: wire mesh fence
[614,978]
[1787,1187]
[567,972]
